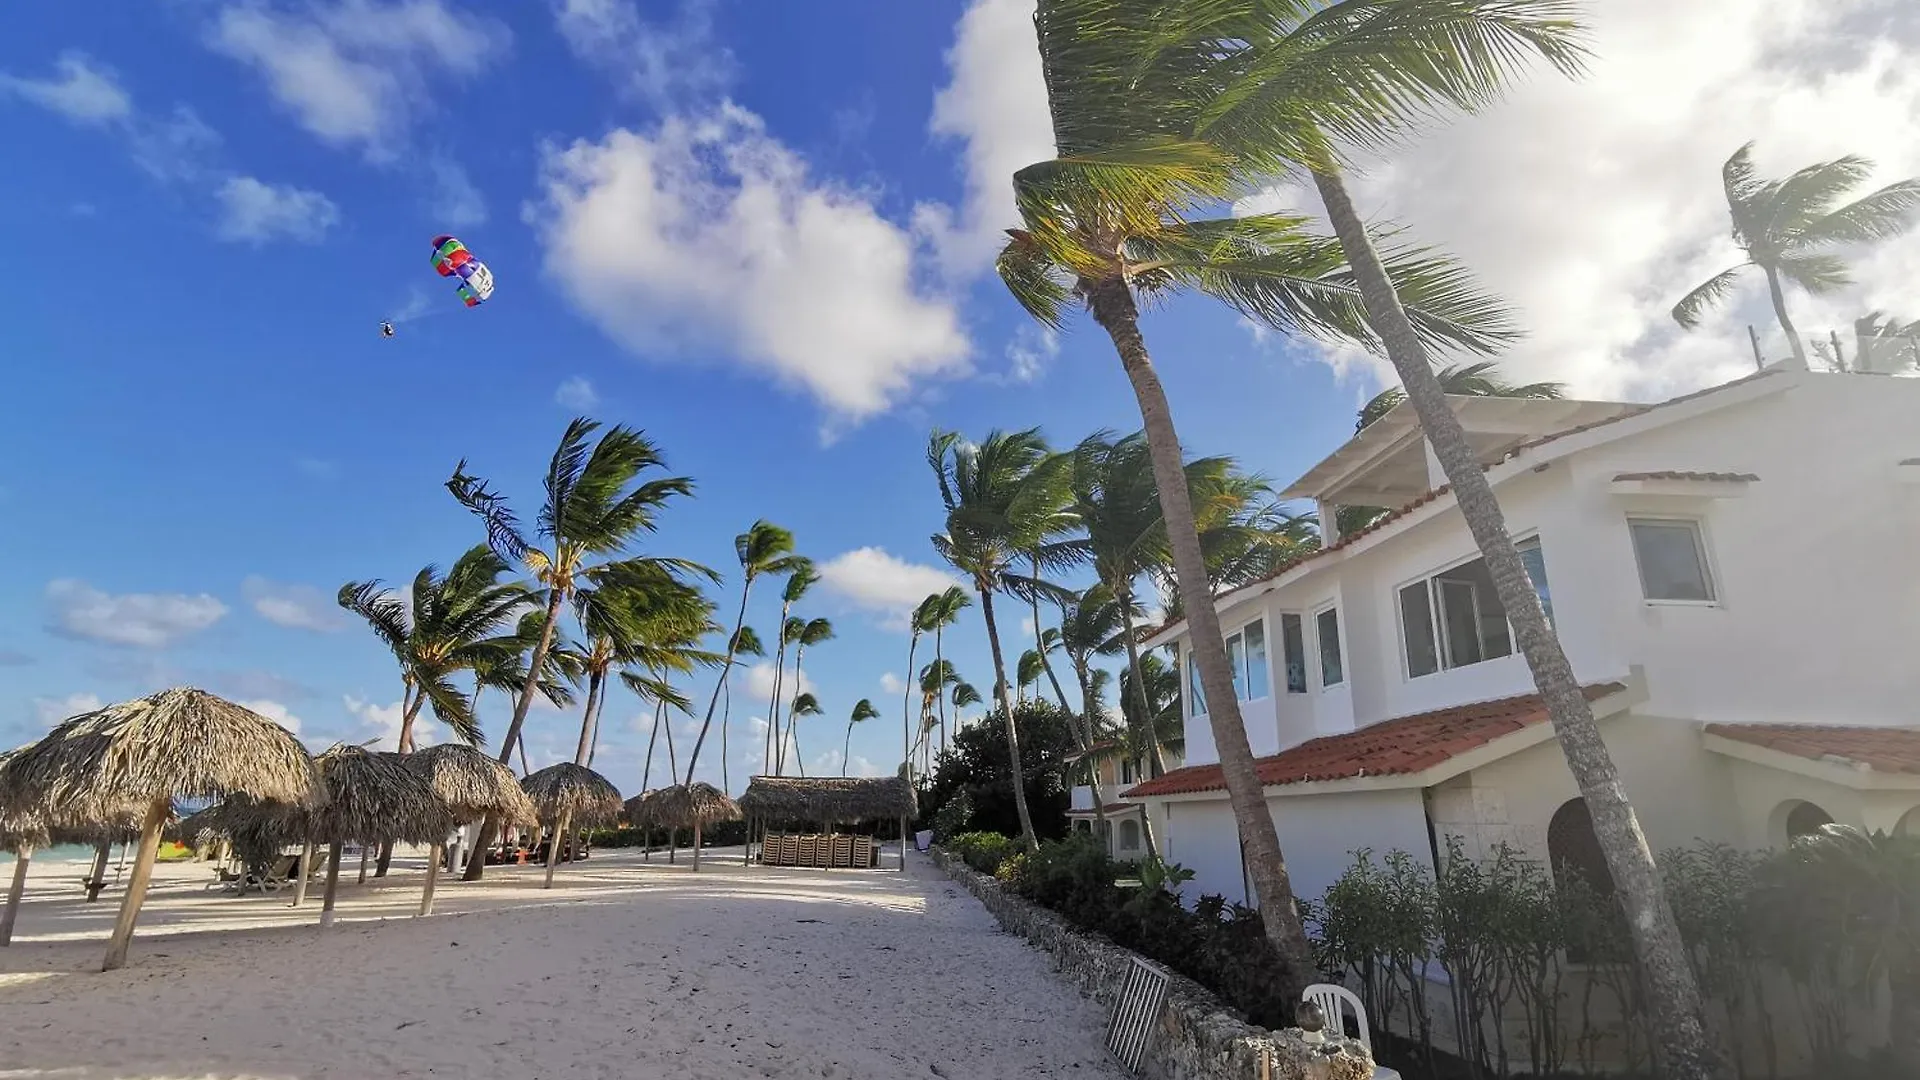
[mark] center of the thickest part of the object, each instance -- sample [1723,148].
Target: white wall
[1318,835]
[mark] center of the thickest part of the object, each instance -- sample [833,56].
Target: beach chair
[226,880]
[863,851]
[279,875]
[1331,999]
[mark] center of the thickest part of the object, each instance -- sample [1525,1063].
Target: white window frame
[1246,673]
[1340,639]
[1189,675]
[1279,681]
[1433,615]
[1702,546]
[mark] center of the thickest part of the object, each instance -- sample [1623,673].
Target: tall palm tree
[803,705]
[799,580]
[649,619]
[596,507]
[919,622]
[1159,692]
[452,624]
[745,642]
[942,609]
[935,680]
[1478,379]
[1789,229]
[863,710]
[1002,497]
[765,548]
[506,671]
[1160,115]
[812,632]
[1026,672]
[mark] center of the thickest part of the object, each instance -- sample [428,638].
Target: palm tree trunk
[410,700]
[595,680]
[14,891]
[1780,312]
[646,773]
[1040,646]
[726,721]
[847,750]
[1113,308]
[793,722]
[776,748]
[1013,729]
[726,669]
[477,865]
[1140,683]
[906,710]
[1673,1003]
[939,658]
[673,764]
[1085,737]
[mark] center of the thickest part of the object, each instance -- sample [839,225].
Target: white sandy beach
[624,969]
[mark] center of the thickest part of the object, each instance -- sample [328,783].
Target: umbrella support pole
[334,853]
[434,858]
[306,871]
[136,885]
[558,837]
[97,879]
[363,865]
[696,846]
[19,886]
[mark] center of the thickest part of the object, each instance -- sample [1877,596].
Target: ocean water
[57,853]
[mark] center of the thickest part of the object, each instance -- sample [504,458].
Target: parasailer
[452,259]
[386,329]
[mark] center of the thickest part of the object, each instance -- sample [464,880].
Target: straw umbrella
[471,786]
[694,805]
[22,830]
[145,752]
[639,812]
[373,798]
[567,795]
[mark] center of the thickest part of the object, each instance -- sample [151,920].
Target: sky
[761,233]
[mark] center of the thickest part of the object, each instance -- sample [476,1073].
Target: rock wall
[1199,1037]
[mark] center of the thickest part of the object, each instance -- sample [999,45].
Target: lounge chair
[226,880]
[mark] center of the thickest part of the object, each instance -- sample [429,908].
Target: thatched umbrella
[792,800]
[179,742]
[472,786]
[639,813]
[22,831]
[373,798]
[567,795]
[694,806]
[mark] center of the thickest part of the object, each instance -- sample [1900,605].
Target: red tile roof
[1398,747]
[1679,474]
[1881,749]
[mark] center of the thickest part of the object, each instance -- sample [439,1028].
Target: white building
[1732,574]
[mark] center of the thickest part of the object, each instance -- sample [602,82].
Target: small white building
[1732,574]
[1121,824]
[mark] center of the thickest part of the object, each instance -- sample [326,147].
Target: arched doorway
[1129,835]
[1574,850]
[1803,818]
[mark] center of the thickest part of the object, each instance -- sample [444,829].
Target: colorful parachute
[452,259]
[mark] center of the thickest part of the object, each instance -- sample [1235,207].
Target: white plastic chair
[1331,998]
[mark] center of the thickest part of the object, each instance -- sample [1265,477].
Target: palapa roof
[179,742]
[682,806]
[641,811]
[582,796]
[376,797]
[21,826]
[473,785]
[828,799]
[256,831]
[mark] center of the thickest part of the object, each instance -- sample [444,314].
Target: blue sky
[213,208]
[760,232]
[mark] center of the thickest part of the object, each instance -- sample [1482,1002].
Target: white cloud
[456,203]
[382,722]
[358,72]
[1028,354]
[174,149]
[577,394]
[759,684]
[144,620]
[82,91]
[255,213]
[299,607]
[1594,205]
[54,710]
[711,233]
[1026,627]
[995,104]
[662,63]
[276,712]
[892,684]
[873,580]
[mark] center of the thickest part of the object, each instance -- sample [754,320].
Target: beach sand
[623,969]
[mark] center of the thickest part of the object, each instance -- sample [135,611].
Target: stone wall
[1199,1037]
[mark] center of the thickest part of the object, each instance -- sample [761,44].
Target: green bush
[984,851]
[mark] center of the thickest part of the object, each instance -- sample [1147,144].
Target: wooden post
[97,880]
[20,860]
[434,855]
[1759,358]
[363,865]
[904,841]
[673,845]
[137,884]
[335,852]
[553,846]
[746,857]
[306,870]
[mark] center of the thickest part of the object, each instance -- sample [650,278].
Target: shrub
[984,851]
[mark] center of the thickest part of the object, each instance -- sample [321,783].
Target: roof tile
[1681,474]
[1881,749]
[1398,747]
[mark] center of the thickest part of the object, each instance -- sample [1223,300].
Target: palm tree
[803,705]
[1159,690]
[920,621]
[652,620]
[862,710]
[765,548]
[1478,379]
[452,625]
[1002,498]
[1790,228]
[745,642]
[1026,672]
[595,508]
[812,632]
[942,609]
[1161,114]
[506,671]
[799,580]
[935,678]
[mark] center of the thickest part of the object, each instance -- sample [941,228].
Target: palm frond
[1815,273]
[503,529]
[563,473]
[1705,295]
[1037,283]
[1885,214]
[383,611]
[649,688]
[453,708]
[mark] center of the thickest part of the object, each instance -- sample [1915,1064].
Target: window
[1129,835]
[1237,664]
[1454,618]
[1247,656]
[1327,624]
[1194,695]
[1293,650]
[1673,561]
